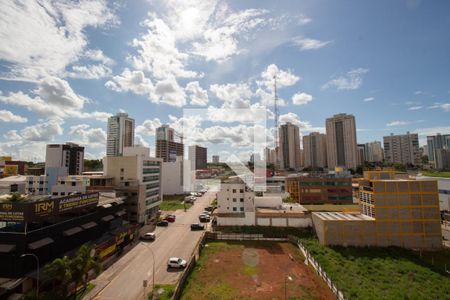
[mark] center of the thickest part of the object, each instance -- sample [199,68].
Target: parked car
[209,208]
[176,262]
[163,223]
[197,226]
[170,218]
[203,218]
[205,212]
[149,236]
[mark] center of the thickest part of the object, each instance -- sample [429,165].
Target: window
[242,209]
[234,199]
[242,199]
[241,190]
[234,208]
[63,193]
[121,169]
[121,178]
[74,183]
[234,191]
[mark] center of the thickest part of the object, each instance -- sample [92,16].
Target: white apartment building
[238,206]
[67,185]
[120,134]
[31,185]
[403,148]
[374,152]
[138,177]
[69,155]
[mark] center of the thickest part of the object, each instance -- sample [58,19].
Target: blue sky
[65,66]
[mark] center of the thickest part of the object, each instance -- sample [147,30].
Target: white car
[149,236]
[205,212]
[176,262]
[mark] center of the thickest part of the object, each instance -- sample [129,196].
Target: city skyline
[390,75]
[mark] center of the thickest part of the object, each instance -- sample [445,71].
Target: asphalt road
[124,279]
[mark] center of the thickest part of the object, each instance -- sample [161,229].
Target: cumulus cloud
[284,78]
[234,95]
[368,99]
[85,134]
[415,107]
[45,130]
[352,80]
[444,106]
[89,71]
[50,35]
[197,94]
[7,116]
[397,123]
[301,98]
[148,127]
[131,81]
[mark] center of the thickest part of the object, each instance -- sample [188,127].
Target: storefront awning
[107,218]
[89,225]
[6,248]
[72,231]
[121,213]
[40,243]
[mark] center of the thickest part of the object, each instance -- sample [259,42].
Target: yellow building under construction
[394,212]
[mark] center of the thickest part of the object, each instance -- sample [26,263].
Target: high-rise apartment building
[215,159]
[289,146]
[374,152]
[361,154]
[315,150]
[198,156]
[138,177]
[69,156]
[437,146]
[120,134]
[166,147]
[403,148]
[341,141]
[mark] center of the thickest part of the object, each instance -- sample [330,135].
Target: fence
[310,260]
[242,237]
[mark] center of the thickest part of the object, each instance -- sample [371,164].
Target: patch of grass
[162,292]
[380,273]
[249,270]
[83,293]
[437,174]
[173,202]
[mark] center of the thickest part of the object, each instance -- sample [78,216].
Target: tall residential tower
[120,134]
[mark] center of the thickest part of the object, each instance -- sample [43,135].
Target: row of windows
[151,193]
[235,191]
[151,178]
[334,183]
[151,201]
[150,171]
[446,192]
[236,209]
[151,185]
[234,199]
[148,163]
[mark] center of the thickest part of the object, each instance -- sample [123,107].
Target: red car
[170,218]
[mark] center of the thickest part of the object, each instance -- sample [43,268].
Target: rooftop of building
[16,178]
[331,207]
[339,216]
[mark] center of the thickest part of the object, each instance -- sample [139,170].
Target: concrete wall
[284,222]
[171,174]
[268,200]
[248,220]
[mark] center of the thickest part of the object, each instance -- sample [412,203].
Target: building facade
[436,150]
[374,152]
[138,177]
[402,149]
[320,189]
[166,147]
[198,157]
[120,134]
[172,177]
[69,156]
[341,141]
[215,159]
[361,154]
[289,137]
[315,150]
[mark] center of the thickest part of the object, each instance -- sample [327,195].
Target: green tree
[59,274]
[82,263]
[15,197]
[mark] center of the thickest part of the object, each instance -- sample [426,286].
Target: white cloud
[50,34]
[148,127]
[85,134]
[7,116]
[398,123]
[368,99]
[131,81]
[309,44]
[90,71]
[444,106]
[293,118]
[53,98]
[45,130]
[352,80]
[168,91]
[234,95]
[432,130]
[284,78]
[99,56]
[415,107]
[139,140]
[301,98]
[267,98]
[197,94]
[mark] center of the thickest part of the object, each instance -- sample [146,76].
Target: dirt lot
[249,270]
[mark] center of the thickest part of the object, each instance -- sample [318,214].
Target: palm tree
[83,262]
[59,274]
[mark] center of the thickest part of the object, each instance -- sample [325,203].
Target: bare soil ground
[250,270]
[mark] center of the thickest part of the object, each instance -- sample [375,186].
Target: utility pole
[277,142]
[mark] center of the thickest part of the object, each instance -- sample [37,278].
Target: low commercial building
[172,177]
[67,185]
[393,212]
[30,185]
[333,188]
[238,206]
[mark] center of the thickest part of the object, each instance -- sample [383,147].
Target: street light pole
[153,270]
[37,276]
